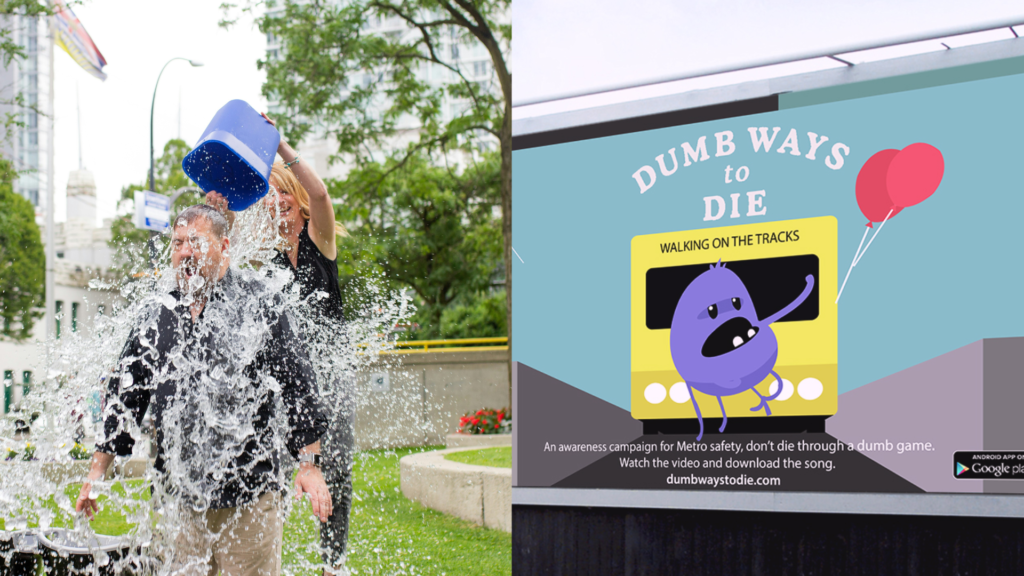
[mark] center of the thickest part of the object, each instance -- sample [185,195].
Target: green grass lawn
[110,520]
[392,535]
[388,534]
[500,457]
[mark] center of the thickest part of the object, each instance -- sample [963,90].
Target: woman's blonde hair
[287,182]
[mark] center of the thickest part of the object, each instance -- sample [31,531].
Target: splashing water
[223,400]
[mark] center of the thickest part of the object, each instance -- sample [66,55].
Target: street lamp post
[152,108]
[152,181]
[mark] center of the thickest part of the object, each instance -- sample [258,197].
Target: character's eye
[713,311]
[736,303]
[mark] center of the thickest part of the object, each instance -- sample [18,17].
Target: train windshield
[772,282]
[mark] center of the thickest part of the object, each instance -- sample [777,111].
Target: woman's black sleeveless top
[315,273]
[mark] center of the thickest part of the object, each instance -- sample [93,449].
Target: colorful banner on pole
[72,37]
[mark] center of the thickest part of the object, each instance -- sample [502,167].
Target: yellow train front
[773,260]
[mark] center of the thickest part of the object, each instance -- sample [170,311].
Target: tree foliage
[478,315]
[22,262]
[359,86]
[333,76]
[168,175]
[431,230]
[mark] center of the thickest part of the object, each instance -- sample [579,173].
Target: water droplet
[101,558]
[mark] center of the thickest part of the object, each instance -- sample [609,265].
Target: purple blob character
[719,346]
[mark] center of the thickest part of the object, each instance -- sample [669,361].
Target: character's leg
[700,419]
[764,400]
[725,419]
[777,392]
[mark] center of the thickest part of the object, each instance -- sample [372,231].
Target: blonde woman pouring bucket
[307,231]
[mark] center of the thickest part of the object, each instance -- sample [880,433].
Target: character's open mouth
[729,336]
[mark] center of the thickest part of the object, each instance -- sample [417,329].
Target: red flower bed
[486,421]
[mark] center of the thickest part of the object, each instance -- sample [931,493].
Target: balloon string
[852,264]
[860,254]
[873,237]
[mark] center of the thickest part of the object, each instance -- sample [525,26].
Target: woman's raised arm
[321,211]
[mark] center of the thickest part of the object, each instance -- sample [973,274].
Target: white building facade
[28,145]
[83,255]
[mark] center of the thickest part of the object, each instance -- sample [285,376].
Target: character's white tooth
[750,333]
[737,341]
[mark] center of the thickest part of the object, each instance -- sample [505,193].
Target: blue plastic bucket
[234,155]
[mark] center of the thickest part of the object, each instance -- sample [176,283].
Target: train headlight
[679,393]
[787,389]
[655,393]
[810,388]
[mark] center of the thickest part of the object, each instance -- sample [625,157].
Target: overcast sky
[137,37]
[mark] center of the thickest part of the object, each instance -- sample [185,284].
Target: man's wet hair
[218,223]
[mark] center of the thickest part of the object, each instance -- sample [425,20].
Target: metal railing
[453,345]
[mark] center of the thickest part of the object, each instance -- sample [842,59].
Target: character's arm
[792,305]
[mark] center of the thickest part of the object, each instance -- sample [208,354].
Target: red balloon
[914,174]
[872,193]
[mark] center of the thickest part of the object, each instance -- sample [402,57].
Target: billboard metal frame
[833,53]
[993,505]
[867,71]
[582,124]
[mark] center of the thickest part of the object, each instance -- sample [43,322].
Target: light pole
[152,182]
[152,108]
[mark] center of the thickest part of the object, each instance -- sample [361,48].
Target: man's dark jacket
[214,383]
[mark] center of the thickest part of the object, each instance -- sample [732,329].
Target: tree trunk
[486,36]
[506,227]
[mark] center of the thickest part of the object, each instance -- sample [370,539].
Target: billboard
[819,298]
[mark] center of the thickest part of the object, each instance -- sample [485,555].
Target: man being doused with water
[307,251]
[217,363]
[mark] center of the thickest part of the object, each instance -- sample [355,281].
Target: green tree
[168,175]
[359,88]
[429,229]
[481,316]
[131,252]
[22,262]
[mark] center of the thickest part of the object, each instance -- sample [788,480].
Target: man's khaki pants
[243,541]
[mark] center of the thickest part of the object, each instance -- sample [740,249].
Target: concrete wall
[423,395]
[460,440]
[420,401]
[479,494]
